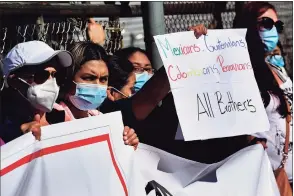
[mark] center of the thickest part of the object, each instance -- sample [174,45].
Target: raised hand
[199,30]
[95,32]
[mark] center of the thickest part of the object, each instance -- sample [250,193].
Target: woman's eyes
[137,68]
[89,78]
[93,78]
[103,79]
[27,76]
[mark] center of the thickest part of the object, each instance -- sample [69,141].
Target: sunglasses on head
[268,24]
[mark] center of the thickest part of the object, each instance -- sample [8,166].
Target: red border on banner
[63,147]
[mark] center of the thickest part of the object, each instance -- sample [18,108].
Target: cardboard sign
[213,84]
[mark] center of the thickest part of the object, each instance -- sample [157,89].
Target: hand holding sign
[35,126]
[130,137]
[212,82]
[199,30]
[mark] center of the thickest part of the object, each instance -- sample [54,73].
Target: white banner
[245,173]
[80,157]
[213,84]
[88,157]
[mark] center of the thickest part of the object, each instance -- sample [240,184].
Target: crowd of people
[44,87]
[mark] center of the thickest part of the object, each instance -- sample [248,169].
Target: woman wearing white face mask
[76,105]
[29,70]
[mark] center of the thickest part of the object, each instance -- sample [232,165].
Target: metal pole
[153,21]
[21,9]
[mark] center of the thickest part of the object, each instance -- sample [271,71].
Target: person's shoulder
[123,103]
[273,103]
[60,113]
[113,106]
[108,106]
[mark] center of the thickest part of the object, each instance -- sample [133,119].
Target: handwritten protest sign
[213,84]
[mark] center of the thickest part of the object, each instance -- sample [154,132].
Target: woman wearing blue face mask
[122,79]
[141,65]
[262,24]
[263,28]
[87,82]
[261,20]
[88,85]
[85,87]
[122,92]
[269,28]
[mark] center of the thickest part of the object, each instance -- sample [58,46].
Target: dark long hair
[263,75]
[119,71]
[86,51]
[126,53]
[290,73]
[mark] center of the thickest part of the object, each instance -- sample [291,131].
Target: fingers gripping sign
[199,30]
[34,126]
[130,137]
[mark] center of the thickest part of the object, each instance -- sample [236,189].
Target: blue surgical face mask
[270,38]
[141,79]
[88,96]
[276,60]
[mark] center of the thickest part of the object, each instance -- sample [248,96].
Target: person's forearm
[151,94]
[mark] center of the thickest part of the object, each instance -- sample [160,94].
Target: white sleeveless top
[276,137]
